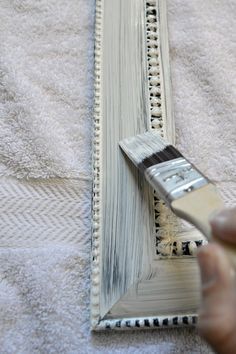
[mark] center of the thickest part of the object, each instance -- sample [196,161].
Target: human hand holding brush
[192,196]
[217,316]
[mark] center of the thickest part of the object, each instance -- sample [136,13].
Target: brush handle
[196,207]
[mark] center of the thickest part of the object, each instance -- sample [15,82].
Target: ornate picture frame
[144,274]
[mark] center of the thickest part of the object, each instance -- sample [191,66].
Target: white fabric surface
[45,123]
[203,58]
[46,94]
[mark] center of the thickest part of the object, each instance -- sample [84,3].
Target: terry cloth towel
[46,90]
[46,68]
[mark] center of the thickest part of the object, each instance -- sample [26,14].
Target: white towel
[46,60]
[46,88]
[203,58]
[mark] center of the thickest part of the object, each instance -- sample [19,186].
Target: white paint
[131,85]
[144,145]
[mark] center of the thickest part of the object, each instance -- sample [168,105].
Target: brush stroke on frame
[144,274]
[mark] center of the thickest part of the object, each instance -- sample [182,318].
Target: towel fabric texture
[46,96]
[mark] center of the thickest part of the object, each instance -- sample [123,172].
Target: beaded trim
[96,212]
[147,322]
[153,62]
[164,244]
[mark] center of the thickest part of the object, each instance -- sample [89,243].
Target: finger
[223,225]
[217,322]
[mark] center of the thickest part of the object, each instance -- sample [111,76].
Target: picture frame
[144,273]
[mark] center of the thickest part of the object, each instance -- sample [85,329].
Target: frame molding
[111,296]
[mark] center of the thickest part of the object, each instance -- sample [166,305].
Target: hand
[217,316]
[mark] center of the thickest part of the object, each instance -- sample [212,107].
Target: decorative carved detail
[158,103]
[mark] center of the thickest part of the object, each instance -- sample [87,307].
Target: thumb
[217,323]
[223,225]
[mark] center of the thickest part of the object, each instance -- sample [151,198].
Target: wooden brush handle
[196,207]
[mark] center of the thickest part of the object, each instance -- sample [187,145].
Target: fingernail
[207,266]
[219,220]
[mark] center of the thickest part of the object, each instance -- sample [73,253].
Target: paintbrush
[188,193]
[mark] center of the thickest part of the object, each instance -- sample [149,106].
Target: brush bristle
[148,149]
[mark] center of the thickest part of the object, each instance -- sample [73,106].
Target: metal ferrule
[173,179]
